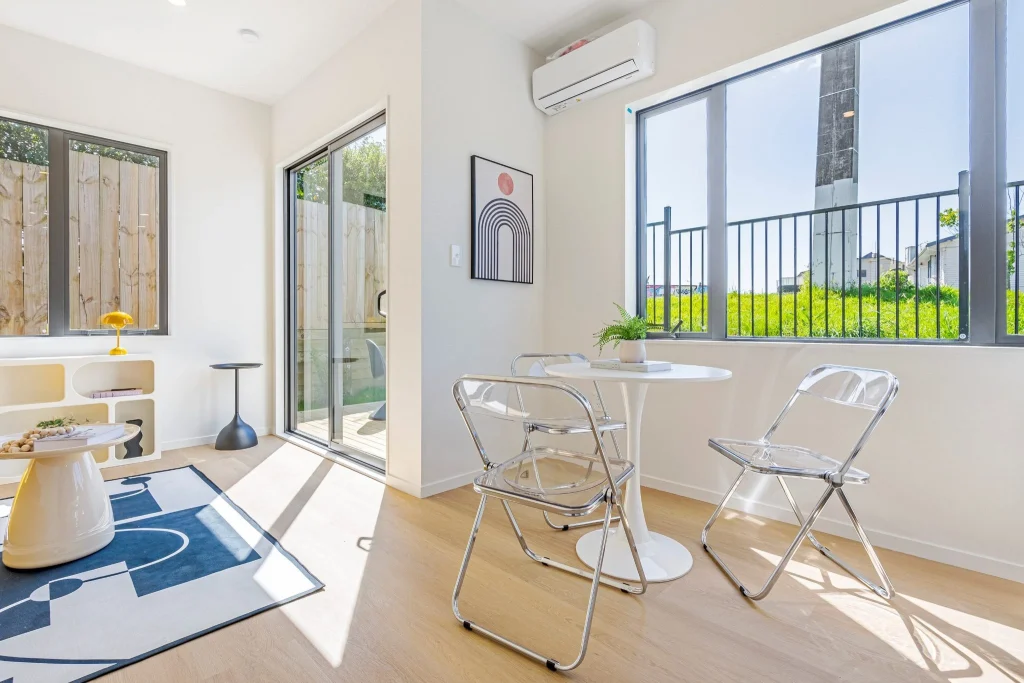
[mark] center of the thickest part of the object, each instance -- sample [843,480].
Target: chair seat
[561,481]
[576,425]
[779,459]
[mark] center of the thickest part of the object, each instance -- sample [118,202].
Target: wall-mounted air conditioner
[616,59]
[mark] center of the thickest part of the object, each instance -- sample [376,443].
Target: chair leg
[466,556]
[805,529]
[596,580]
[592,522]
[883,590]
[548,562]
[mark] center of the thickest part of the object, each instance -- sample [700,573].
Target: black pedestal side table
[237,434]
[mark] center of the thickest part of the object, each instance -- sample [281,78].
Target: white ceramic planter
[633,351]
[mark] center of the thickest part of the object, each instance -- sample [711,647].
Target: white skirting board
[881,539]
[35,389]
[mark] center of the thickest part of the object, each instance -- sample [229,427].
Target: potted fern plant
[626,334]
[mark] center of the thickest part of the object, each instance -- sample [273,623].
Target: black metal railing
[848,287]
[689,247]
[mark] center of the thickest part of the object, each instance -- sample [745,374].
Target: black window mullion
[987,210]
[718,238]
[57,196]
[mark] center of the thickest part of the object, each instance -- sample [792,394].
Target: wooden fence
[365,266]
[24,249]
[114,219]
[114,228]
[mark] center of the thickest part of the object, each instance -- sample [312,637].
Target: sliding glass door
[337,292]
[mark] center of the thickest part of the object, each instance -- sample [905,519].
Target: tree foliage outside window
[114,153]
[30,145]
[364,174]
[950,219]
[26,144]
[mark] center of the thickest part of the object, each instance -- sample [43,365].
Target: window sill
[848,342]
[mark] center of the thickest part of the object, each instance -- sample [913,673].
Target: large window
[675,241]
[830,192]
[82,233]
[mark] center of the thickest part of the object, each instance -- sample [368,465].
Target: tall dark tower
[835,182]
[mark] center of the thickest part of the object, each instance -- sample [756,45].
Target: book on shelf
[113,393]
[82,435]
[646,366]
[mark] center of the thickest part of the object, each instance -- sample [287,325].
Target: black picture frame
[498,213]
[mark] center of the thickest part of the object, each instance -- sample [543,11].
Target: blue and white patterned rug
[185,561]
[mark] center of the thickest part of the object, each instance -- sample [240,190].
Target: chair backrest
[533,364]
[506,398]
[862,388]
[377,365]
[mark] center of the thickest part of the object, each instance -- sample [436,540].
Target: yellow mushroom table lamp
[118,320]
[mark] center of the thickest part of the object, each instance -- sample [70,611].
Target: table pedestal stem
[633,395]
[663,558]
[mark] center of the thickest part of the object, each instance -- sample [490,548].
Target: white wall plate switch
[456,256]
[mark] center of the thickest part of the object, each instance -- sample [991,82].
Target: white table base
[663,558]
[61,513]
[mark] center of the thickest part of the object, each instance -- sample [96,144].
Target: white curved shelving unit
[34,389]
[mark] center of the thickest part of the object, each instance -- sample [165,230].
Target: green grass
[872,314]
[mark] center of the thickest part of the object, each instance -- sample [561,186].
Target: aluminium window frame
[333,449]
[986,187]
[59,251]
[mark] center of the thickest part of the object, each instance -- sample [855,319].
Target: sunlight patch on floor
[1003,644]
[747,519]
[880,619]
[954,644]
[335,546]
[284,472]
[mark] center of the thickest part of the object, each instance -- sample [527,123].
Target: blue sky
[913,119]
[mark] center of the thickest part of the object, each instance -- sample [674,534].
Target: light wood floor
[390,561]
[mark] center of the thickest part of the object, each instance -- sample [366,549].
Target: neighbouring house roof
[929,247]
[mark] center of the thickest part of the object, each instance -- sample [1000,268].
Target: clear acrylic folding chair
[532,365]
[554,480]
[870,390]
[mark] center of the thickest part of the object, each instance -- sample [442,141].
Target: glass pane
[822,154]
[24,229]
[113,235]
[310,225]
[676,155]
[360,300]
[1014,163]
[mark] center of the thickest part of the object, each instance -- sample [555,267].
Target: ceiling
[201,42]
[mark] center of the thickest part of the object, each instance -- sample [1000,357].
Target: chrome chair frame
[610,499]
[835,477]
[547,429]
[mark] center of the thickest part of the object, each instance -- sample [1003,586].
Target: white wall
[453,87]
[476,100]
[946,473]
[380,68]
[219,206]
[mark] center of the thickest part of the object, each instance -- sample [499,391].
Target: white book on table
[646,366]
[80,437]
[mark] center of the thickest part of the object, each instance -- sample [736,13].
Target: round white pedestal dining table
[663,558]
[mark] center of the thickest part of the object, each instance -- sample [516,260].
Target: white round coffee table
[61,511]
[663,558]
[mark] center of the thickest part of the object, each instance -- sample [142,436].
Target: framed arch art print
[502,238]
